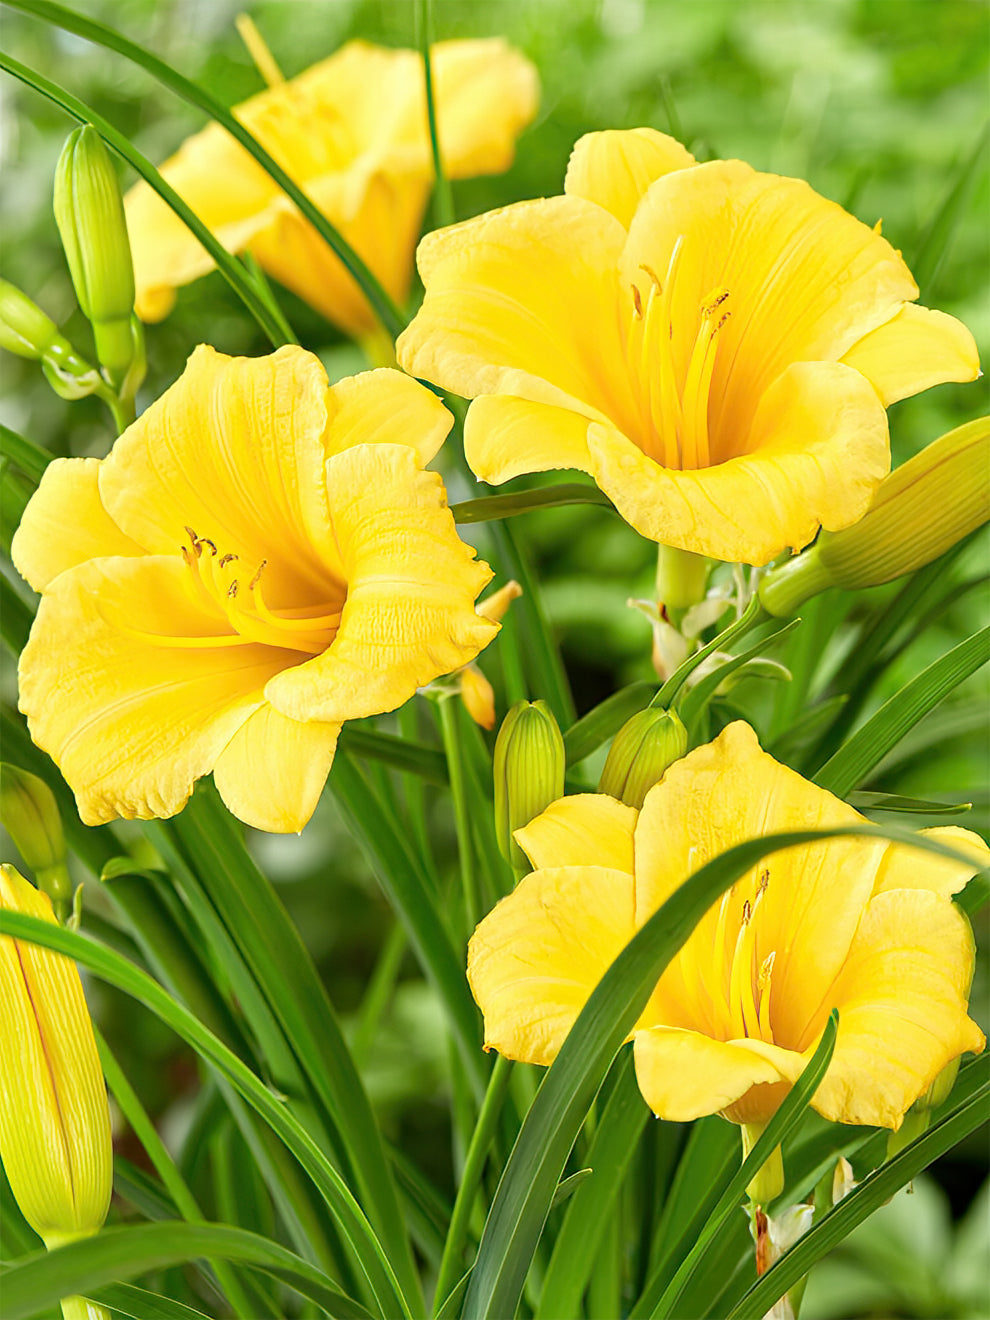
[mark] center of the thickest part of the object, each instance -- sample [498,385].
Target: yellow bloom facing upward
[352,131]
[713,345]
[862,926]
[54,1120]
[260,557]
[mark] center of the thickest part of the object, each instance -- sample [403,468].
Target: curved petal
[385,407]
[684,1075]
[486,94]
[914,350]
[271,773]
[504,437]
[902,996]
[258,484]
[584,829]
[805,279]
[132,721]
[723,794]
[65,524]
[524,301]
[818,449]
[903,867]
[411,586]
[537,956]
[614,168]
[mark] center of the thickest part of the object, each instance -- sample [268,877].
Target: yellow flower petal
[583,829]
[522,302]
[411,586]
[131,721]
[817,449]
[54,1119]
[65,524]
[614,168]
[901,994]
[903,867]
[257,483]
[504,437]
[722,794]
[684,1075]
[272,772]
[382,407]
[537,956]
[914,350]
[486,94]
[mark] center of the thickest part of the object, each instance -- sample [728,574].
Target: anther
[232,590]
[654,277]
[194,542]
[637,303]
[764,880]
[205,540]
[747,912]
[254,581]
[708,309]
[227,559]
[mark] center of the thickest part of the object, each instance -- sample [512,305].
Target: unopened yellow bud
[89,213]
[54,1119]
[640,753]
[922,509]
[496,606]
[529,772]
[30,816]
[478,697]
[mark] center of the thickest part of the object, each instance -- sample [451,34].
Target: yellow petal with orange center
[253,487]
[914,350]
[272,772]
[614,168]
[537,956]
[385,407]
[902,995]
[130,719]
[684,1075]
[505,437]
[54,1119]
[65,524]
[411,587]
[523,301]
[904,867]
[817,450]
[585,829]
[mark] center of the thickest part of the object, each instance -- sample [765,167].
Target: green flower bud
[24,327]
[89,213]
[31,817]
[640,753]
[922,509]
[681,578]
[529,773]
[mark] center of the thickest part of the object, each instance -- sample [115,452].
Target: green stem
[379,991]
[122,410]
[451,1261]
[449,716]
[751,618]
[143,1128]
[443,198]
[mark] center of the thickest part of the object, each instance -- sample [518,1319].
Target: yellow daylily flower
[54,1120]
[715,346]
[352,130]
[864,926]
[260,558]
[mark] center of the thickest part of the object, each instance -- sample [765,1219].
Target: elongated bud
[30,816]
[478,697]
[89,213]
[641,751]
[24,327]
[922,509]
[529,772]
[54,1119]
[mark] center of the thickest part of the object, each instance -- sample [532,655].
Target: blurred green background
[881,104]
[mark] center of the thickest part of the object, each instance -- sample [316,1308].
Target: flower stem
[450,1263]
[443,197]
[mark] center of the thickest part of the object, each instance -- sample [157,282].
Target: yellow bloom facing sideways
[260,557]
[715,346]
[54,1120]
[863,926]
[352,131]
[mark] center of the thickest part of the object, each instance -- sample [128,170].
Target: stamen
[232,590]
[263,59]
[697,382]
[227,559]
[763,987]
[637,302]
[257,577]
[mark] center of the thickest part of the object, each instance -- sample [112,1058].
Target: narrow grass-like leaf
[870,744]
[15,491]
[935,242]
[525,501]
[697,699]
[16,617]
[605,720]
[443,198]
[612,1147]
[780,1125]
[382,305]
[908,805]
[526,1190]
[752,617]
[347,1213]
[138,1303]
[117,1255]
[230,268]
[399,753]
[870,1195]
[29,457]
